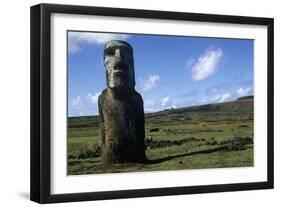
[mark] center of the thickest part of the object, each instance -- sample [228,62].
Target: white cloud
[216,98]
[149,106]
[77,102]
[75,39]
[207,64]
[94,98]
[150,83]
[159,105]
[243,91]
[165,101]
[225,97]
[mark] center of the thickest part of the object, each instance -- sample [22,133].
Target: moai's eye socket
[110,51]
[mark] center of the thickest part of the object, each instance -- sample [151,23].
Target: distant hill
[245,98]
[242,104]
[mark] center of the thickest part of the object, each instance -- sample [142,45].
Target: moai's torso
[122,126]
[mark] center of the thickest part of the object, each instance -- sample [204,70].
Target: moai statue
[121,107]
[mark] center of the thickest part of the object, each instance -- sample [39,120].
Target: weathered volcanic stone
[121,107]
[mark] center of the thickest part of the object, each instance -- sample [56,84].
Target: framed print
[133,103]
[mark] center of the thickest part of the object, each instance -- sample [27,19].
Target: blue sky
[170,71]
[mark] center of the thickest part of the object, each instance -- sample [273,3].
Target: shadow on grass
[75,162]
[207,151]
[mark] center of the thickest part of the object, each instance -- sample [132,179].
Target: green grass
[210,131]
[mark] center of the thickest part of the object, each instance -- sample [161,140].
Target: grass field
[207,136]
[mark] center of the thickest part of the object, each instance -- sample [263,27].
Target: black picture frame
[41,96]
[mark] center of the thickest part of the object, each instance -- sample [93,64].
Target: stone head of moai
[121,107]
[119,65]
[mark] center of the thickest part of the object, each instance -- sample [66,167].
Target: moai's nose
[118,54]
